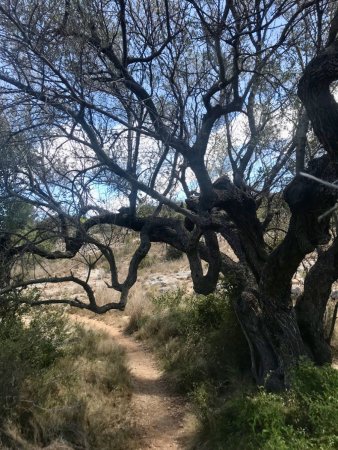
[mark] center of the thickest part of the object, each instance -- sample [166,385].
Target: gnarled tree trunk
[312,304]
[265,309]
[279,337]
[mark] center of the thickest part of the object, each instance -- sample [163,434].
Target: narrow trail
[162,418]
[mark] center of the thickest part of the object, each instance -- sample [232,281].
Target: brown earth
[162,417]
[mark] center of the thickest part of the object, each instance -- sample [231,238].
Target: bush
[60,386]
[204,354]
[196,338]
[28,345]
[302,418]
[172,253]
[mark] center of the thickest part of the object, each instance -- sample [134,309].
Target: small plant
[196,338]
[301,418]
[30,343]
[148,261]
[204,353]
[169,301]
[60,386]
[172,253]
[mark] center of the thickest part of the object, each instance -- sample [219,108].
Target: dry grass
[80,402]
[138,307]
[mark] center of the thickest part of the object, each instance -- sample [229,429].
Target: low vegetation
[172,254]
[204,353]
[60,386]
[196,338]
[301,418]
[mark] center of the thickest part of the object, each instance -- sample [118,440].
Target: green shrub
[60,384]
[172,253]
[28,345]
[196,338]
[204,353]
[302,418]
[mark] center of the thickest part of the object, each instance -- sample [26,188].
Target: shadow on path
[162,417]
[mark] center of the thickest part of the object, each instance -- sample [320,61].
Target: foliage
[196,338]
[14,214]
[145,210]
[182,124]
[277,227]
[29,345]
[304,417]
[204,354]
[60,384]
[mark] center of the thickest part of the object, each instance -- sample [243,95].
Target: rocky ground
[157,276]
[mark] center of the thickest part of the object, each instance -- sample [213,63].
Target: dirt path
[162,418]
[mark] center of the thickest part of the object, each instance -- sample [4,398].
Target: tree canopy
[117,111]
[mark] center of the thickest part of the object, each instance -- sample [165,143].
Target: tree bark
[312,304]
[266,312]
[322,110]
[321,107]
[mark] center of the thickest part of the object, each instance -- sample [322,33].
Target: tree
[148,102]
[15,214]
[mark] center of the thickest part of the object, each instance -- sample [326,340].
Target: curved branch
[205,284]
[321,107]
